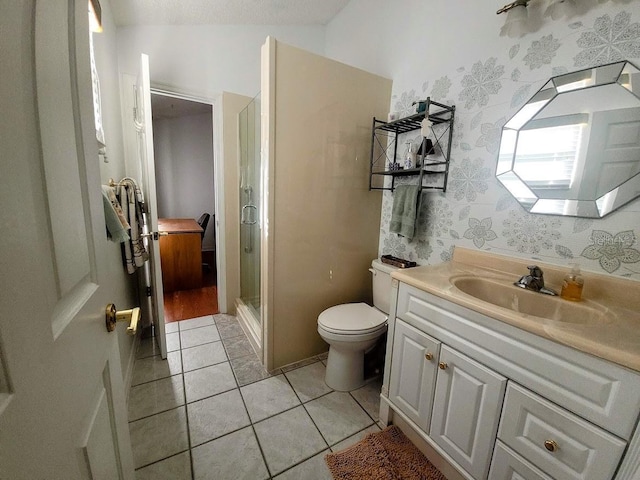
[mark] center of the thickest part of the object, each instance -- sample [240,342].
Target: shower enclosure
[250,220]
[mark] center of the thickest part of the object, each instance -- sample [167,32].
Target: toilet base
[345,369]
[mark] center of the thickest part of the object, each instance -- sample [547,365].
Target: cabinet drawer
[508,465]
[599,391]
[557,441]
[413,373]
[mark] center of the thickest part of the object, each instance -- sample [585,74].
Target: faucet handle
[535,271]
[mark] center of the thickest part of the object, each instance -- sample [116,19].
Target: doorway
[185,186]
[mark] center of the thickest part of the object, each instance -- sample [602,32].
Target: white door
[466,410]
[62,401]
[143,125]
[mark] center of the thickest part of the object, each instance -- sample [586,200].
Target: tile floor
[211,411]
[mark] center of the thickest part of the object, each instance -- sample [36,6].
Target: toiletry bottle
[410,157]
[572,285]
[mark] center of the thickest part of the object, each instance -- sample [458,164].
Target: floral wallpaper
[476,211]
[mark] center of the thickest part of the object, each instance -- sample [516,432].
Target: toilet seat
[352,319]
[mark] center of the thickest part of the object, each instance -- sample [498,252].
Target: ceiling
[225,12]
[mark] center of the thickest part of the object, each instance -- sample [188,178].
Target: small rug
[385,455]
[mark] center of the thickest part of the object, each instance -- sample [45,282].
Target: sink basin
[536,304]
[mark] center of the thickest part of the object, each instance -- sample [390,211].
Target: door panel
[56,350]
[413,373]
[466,410]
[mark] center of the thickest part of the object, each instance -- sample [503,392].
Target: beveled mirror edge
[606,204]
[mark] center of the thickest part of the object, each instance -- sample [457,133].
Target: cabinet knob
[550,445]
[429,356]
[443,365]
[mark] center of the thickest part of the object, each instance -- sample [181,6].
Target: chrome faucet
[534,281]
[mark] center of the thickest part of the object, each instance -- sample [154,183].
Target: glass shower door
[250,197]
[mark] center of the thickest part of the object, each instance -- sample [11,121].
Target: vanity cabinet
[500,403]
[447,394]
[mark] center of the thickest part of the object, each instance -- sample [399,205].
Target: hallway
[197,302]
[211,411]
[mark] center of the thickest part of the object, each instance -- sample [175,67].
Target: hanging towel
[404,212]
[133,208]
[117,225]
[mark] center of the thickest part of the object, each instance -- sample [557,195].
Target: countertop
[617,339]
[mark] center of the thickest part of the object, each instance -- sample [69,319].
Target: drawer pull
[550,445]
[443,365]
[429,356]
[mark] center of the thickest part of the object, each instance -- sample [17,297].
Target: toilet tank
[381,279]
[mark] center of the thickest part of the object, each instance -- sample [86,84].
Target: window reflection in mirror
[574,148]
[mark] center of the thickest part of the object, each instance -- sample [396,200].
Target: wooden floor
[194,303]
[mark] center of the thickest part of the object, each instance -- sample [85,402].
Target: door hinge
[149,293]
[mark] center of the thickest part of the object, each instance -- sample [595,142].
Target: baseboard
[244,319]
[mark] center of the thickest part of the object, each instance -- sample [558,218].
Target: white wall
[452,52]
[205,60]
[183,148]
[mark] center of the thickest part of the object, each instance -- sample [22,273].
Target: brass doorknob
[429,356]
[550,445]
[112,316]
[443,365]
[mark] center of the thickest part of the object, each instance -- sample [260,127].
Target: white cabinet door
[466,410]
[413,373]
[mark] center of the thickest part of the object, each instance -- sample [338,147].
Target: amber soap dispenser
[572,285]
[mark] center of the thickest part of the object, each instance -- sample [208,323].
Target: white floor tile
[195,322]
[199,336]
[203,356]
[337,416]
[308,382]
[368,397]
[171,327]
[173,341]
[155,397]
[154,368]
[216,416]
[269,397]
[148,347]
[233,457]
[159,436]
[353,439]
[288,438]
[313,469]
[177,467]
[208,381]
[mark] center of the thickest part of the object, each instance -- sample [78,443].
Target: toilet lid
[351,318]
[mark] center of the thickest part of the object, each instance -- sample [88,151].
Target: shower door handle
[243,220]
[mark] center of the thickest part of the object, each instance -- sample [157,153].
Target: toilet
[351,329]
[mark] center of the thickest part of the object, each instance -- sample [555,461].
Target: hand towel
[404,212]
[135,254]
[117,226]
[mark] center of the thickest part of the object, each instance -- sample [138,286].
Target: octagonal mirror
[574,148]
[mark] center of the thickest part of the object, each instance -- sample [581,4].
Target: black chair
[203,221]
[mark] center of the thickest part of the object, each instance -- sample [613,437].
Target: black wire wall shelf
[435,149]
